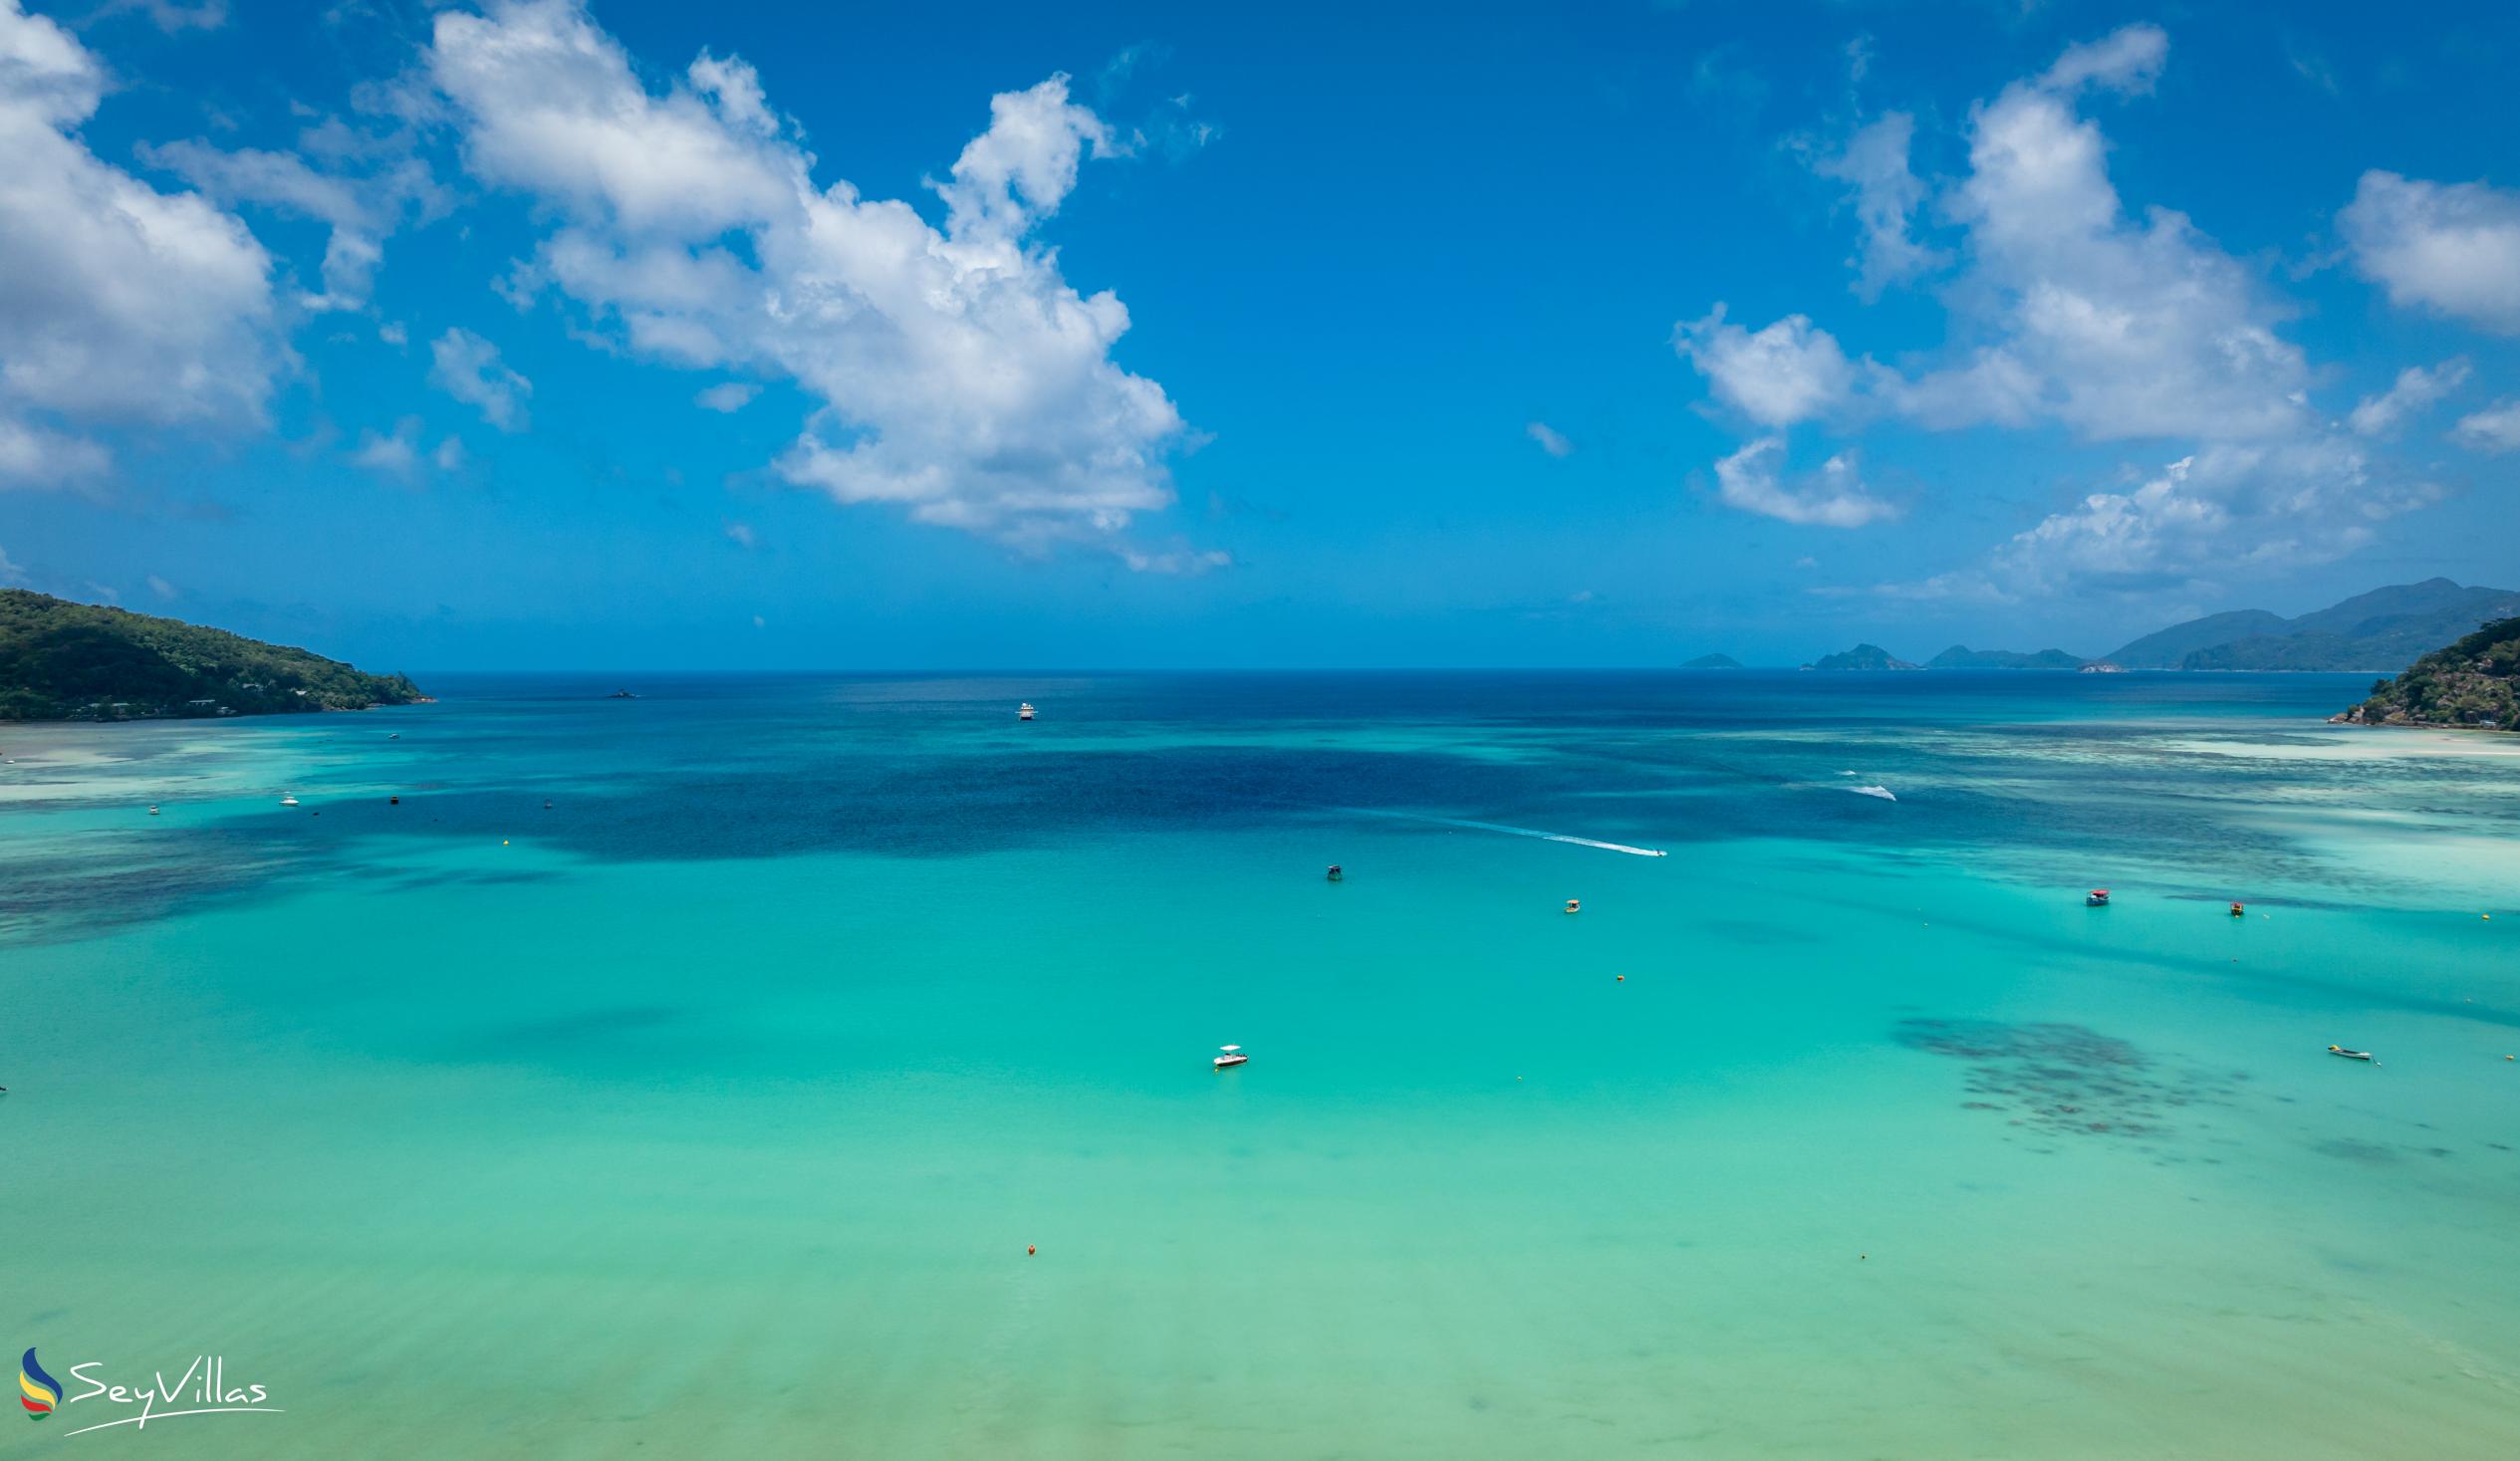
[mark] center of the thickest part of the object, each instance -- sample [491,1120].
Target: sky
[886,337]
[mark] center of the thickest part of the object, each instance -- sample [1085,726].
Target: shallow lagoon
[711,1110]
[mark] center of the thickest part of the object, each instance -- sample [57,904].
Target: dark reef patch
[2065,1079]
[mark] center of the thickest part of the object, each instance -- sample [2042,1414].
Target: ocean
[820,1066]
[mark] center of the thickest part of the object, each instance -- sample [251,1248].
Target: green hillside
[61,660]
[1861,656]
[2382,629]
[2468,683]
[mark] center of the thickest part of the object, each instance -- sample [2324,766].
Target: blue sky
[771,335]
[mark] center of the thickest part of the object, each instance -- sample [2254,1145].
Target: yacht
[1024,711]
[289,800]
[1231,1056]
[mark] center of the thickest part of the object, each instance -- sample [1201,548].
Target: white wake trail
[1546,836]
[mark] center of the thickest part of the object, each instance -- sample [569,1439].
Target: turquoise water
[711,1110]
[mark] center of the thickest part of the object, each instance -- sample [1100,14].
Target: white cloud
[392,332]
[466,366]
[730,396]
[743,535]
[162,588]
[2067,310]
[170,16]
[2115,328]
[2227,509]
[2125,60]
[961,378]
[1834,497]
[1784,374]
[1550,439]
[10,573]
[2495,428]
[396,455]
[2453,248]
[1887,196]
[360,209]
[34,456]
[450,456]
[2416,390]
[117,303]
[1188,562]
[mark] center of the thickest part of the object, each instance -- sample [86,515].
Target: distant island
[2468,683]
[1861,656]
[1713,661]
[1962,656]
[2384,630]
[61,660]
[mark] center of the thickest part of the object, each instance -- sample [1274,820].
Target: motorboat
[1230,1055]
[2096,898]
[152,808]
[1024,711]
[2350,1055]
[289,801]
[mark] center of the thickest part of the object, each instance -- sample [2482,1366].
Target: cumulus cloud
[960,377]
[467,368]
[2452,248]
[117,303]
[162,588]
[1787,372]
[2416,390]
[2226,508]
[34,456]
[1834,497]
[397,455]
[1888,195]
[2495,428]
[1549,439]
[2066,309]
[361,210]
[730,397]
[2128,59]
[743,535]
[2114,327]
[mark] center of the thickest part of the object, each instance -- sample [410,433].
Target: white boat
[289,801]
[2350,1055]
[1024,711]
[152,808]
[1232,1056]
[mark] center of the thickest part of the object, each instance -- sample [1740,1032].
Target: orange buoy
[1028,1249]
[1622,978]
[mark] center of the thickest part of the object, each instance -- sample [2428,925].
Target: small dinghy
[152,808]
[2096,898]
[1232,1056]
[2350,1055]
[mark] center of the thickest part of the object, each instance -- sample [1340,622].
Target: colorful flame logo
[37,1392]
